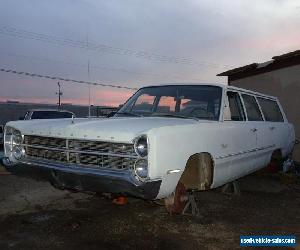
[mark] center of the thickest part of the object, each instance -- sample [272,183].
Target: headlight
[12,144]
[141,168]
[8,140]
[17,137]
[18,152]
[141,146]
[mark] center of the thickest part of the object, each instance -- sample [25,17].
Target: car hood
[121,129]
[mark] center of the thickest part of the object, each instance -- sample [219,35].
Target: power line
[48,60]
[64,79]
[20,33]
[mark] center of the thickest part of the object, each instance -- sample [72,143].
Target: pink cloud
[111,97]
[98,97]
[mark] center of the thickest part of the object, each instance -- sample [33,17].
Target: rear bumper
[85,179]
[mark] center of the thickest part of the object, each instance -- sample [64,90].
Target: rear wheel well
[199,171]
[276,155]
[277,159]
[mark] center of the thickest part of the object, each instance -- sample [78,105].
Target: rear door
[276,126]
[260,131]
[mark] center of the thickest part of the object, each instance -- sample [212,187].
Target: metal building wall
[283,83]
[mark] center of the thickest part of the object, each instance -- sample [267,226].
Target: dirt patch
[92,222]
[22,195]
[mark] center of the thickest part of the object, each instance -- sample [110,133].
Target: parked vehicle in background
[106,111]
[163,141]
[47,114]
[1,135]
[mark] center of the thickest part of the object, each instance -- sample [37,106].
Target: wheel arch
[276,157]
[276,154]
[199,170]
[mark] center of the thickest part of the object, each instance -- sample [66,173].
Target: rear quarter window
[270,110]
[252,108]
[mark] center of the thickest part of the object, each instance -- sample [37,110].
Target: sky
[135,43]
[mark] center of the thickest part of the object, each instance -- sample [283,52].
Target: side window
[271,110]
[252,109]
[235,106]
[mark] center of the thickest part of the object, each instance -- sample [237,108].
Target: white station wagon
[199,136]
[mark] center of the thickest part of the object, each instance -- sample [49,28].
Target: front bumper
[85,179]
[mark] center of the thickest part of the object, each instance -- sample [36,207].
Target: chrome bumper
[80,178]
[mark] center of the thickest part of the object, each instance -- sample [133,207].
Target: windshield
[201,102]
[50,115]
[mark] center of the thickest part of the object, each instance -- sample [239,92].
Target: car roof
[185,84]
[224,86]
[251,92]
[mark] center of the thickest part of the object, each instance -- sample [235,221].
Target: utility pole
[89,89]
[88,71]
[59,93]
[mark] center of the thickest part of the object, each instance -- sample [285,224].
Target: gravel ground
[33,215]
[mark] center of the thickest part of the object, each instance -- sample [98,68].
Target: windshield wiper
[128,113]
[177,116]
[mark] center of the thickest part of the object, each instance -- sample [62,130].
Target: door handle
[253,130]
[272,128]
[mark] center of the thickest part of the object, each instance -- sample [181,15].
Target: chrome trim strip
[174,171]
[76,139]
[67,147]
[80,152]
[244,152]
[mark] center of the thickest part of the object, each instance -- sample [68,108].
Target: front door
[240,140]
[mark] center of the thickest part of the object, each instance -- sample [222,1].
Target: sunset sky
[135,43]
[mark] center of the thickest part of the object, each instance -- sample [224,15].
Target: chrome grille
[47,154]
[45,141]
[96,154]
[99,146]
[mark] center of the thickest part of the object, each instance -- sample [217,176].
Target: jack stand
[232,188]
[191,205]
